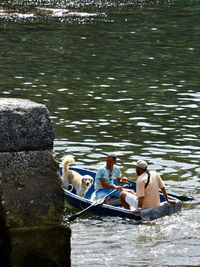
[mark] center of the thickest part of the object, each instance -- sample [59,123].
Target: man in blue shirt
[108,178]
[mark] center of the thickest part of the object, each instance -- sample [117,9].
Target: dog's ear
[83,178]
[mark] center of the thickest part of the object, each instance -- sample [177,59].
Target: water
[122,243]
[119,77]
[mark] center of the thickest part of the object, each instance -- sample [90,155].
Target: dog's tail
[68,160]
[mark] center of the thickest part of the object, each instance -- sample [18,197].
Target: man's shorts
[99,193]
[131,199]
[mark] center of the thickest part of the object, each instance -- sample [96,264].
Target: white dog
[80,182]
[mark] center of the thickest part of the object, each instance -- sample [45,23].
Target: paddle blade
[181,197]
[185,198]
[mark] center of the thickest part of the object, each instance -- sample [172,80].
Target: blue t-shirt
[104,172]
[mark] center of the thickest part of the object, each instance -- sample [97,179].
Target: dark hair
[113,156]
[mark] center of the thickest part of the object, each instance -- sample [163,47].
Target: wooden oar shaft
[97,202]
[74,216]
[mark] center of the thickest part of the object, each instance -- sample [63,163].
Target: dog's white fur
[70,177]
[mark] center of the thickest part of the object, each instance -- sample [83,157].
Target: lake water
[123,77]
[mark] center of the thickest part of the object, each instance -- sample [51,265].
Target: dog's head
[87,180]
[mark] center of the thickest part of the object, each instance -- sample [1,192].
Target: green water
[116,76]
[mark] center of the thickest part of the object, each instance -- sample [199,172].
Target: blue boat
[114,209]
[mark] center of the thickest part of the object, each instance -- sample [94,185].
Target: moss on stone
[40,246]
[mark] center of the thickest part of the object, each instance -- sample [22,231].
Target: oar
[180,197]
[97,202]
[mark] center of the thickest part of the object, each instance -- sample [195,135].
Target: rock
[30,188]
[25,125]
[47,246]
[32,228]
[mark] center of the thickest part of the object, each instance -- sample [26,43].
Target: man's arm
[111,186]
[140,202]
[165,193]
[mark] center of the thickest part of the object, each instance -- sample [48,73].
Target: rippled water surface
[169,241]
[123,77]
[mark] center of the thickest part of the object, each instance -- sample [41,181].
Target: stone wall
[25,126]
[32,232]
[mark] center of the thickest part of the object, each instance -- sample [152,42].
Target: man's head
[141,167]
[111,160]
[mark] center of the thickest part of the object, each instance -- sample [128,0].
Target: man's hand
[123,180]
[137,211]
[117,187]
[173,202]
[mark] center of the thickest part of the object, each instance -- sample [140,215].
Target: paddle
[180,197]
[97,202]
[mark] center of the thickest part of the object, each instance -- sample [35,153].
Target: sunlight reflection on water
[168,241]
[117,76]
